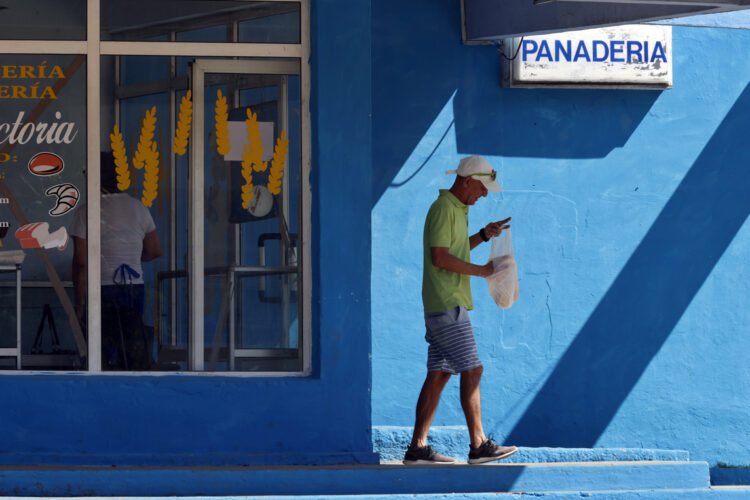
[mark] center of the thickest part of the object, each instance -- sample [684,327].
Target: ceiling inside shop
[144,18]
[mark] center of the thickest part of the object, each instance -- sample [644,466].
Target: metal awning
[498,19]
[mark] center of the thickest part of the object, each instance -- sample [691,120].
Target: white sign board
[631,56]
[238,139]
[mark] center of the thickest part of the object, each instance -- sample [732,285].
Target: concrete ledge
[188,459]
[721,493]
[694,494]
[391,442]
[730,476]
[351,480]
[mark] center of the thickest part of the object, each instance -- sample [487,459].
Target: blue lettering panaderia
[529,47]
[565,50]
[582,52]
[601,51]
[631,51]
[616,47]
[544,51]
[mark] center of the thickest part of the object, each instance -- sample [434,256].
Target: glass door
[244,217]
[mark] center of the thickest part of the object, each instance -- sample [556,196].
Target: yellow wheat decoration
[278,163]
[146,138]
[150,176]
[255,146]
[222,126]
[247,174]
[121,159]
[252,159]
[182,133]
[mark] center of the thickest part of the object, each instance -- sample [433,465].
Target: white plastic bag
[503,283]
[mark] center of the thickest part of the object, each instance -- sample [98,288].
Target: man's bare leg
[427,405]
[471,404]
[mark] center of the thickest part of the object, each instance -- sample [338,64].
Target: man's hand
[490,231]
[488,269]
[495,228]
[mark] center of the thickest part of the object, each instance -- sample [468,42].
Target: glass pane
[217,33]
[141,69]
[42,189]
[251,260]
[197,20]
[143,220]
[43,20]
[251,193]
[281,27]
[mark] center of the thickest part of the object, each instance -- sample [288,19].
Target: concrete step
[360,480]
[391,443]
[721,493]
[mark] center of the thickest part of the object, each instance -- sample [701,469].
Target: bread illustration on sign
[67,197]
[44,164]
[37,235]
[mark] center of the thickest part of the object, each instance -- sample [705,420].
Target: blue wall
[191,419]
[629,212]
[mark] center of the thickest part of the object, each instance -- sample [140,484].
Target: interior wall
[629,230]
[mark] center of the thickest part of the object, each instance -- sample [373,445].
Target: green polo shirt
[447,225]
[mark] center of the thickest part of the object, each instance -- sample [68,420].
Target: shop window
[282,27]
[43,20]
[251,177]
[201,186]
[260,22]
[42,185]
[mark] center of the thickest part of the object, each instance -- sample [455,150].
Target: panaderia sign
[632,56]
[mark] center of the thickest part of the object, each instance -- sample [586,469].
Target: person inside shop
[128,238]
[446,295]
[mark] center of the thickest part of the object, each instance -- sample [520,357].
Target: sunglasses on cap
[492,175]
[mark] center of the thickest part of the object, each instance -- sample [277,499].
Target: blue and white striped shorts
[451,338]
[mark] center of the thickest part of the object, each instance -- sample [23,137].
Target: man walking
[446,294]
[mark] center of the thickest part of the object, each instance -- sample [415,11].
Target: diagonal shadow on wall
[418,66]
[648,297]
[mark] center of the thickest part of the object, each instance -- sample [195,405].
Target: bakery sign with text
[630,56]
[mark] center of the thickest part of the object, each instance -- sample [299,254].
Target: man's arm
[444,260]
[475,240]
[79,276]
[151,247]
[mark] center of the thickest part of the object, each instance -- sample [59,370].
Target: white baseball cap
[480,169]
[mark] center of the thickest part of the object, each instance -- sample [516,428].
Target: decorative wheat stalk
[146,138]
[184,121]
[151,176]
[121,159]
[132,170]
[255,142]
[278,163]
[222,125]
[247,174]
[160,166]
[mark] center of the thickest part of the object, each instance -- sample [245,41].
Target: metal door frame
[196,192]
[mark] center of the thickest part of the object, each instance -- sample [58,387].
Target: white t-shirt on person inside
[124,224]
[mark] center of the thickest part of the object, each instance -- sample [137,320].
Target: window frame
[94,48]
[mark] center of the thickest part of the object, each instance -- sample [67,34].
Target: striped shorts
[451,338]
